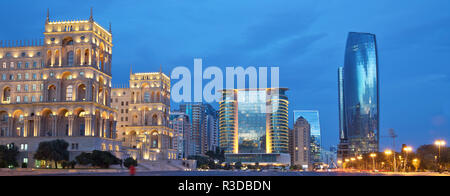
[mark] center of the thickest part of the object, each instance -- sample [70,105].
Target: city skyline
[320,87]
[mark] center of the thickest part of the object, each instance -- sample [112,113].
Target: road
[240,173]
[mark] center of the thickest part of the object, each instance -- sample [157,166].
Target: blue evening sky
[306,39]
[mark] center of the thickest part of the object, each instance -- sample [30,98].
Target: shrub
[130,162]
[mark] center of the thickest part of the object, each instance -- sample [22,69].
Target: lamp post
[407,149]
[373,155]
[439,143]
[360,158]
[389,153]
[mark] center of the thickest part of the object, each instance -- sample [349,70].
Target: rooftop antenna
[91,18]
[110,30]
[48,15]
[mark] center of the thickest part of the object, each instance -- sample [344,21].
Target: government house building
[59,88]
[143,117]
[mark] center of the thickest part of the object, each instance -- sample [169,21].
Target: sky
[306,39]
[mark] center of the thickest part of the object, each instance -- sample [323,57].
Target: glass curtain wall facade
[312,116]
[253,122]
[361,93]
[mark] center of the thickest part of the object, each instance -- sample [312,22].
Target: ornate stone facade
[58,88]
[143,117]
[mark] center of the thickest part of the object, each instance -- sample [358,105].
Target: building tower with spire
[59,88]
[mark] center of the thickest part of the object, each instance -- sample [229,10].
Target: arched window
[69,93]
[86,56]
[52,93]
[155,120]
[7,95]
[154,140]
[70,58]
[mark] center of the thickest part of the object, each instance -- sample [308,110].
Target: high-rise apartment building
[254,126]
[360,101]
[181,125]
[312,116]
[204,127]
[300,141]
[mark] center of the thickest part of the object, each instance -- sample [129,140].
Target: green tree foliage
[128,162]
[84,158]
[101,159]
[8,156]
[55,151]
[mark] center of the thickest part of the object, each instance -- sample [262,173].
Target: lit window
[18,99]
[69,93]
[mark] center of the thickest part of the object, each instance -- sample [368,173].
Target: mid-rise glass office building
[253,126]
[361,94]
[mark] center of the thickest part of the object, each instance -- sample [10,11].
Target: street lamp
[439,143]
[373,155]
[406,149]
[389,153]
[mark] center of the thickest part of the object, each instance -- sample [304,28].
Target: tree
[84,158]
[8,156]
[103,159]
[55,151]
[238,165]
[128,162]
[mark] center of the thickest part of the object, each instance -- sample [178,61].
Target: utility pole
[393,136]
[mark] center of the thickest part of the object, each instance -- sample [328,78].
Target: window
[70,58]
[19,65]
[51,74]
[33,88]
[25,99]
[27,65]
[33,99]
[27,76]
[25,88]
[34,64]
[4,65]
[41,98]
[11,65]
[81,73]
[3,76]
[11,77]
[34,76]
[19,76]
[69,93]
[18,88]
[18,99]
[23,147]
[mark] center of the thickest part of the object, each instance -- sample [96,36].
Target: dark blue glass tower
[361,94]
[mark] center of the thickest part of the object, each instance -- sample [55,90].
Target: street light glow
[439,143]
[373,155]
[388,152]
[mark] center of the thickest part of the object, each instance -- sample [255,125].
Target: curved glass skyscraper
[361,94]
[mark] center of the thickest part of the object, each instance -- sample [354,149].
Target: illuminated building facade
[181,125]
[300,142]
[58,88]
[204,123]
[143,114]
[312,116]
[360,95]
[253,126]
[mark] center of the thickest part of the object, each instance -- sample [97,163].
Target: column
[105,128]
[10,127]
[100,127]
[82,50]
[88,125]
[26,123]
[54,125]
[71,119]
[37,123]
